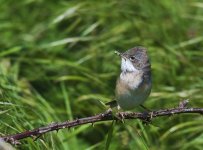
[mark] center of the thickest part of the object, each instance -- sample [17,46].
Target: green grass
[57,62]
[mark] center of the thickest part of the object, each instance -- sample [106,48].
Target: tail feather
[112,103]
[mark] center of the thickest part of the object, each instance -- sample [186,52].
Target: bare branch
[145,116]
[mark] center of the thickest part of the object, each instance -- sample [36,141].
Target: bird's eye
[132,58]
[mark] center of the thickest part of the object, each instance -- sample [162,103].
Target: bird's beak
[120,54]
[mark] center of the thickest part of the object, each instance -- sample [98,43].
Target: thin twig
[146,116]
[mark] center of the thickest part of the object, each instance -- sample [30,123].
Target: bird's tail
[112,103]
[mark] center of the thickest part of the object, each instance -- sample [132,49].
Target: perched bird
[134,83]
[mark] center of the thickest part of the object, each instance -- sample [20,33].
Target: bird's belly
[131,90]
[132,98]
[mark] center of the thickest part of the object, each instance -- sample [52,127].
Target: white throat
[127,66]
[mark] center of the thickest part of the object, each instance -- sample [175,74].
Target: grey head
[136,59]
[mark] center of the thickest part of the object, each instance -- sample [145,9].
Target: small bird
[134,83]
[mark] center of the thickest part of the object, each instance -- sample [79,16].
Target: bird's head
[134,60]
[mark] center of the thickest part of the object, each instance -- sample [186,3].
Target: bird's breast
[131,80]
[131,90]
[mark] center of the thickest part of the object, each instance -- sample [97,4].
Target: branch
[145,116]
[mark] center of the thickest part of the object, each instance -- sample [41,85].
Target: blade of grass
[109,136]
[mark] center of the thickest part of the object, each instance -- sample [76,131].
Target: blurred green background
[57,63]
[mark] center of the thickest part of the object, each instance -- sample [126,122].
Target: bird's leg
[145,108]
[115,108]
[148,112]
[120,115]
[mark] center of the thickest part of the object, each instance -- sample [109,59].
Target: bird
[134,83]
